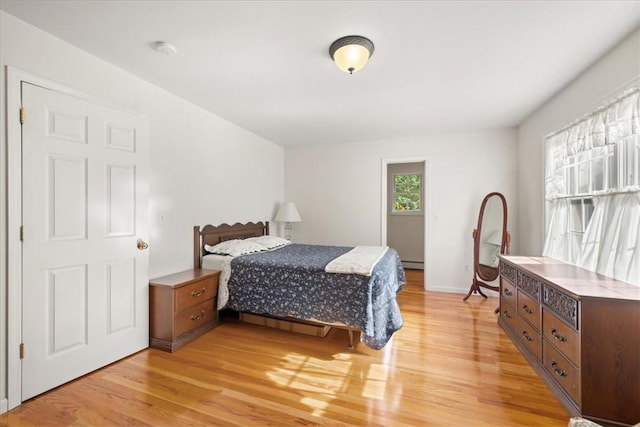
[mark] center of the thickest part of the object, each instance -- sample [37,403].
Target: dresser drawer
[563,336]
[529,309]
[530,337]
[194,317]
[562,371]
[507,292]
[196,293]
[509,315]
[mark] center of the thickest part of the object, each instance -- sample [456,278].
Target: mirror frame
[481,271]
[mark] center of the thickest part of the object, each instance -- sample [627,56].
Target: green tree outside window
[407,193]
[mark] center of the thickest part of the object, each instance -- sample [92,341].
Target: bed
[290,281]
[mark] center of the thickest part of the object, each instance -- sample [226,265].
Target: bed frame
[212,235]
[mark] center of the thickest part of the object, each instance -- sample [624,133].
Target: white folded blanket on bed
[359,260]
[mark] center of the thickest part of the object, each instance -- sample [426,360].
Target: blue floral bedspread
[291,282]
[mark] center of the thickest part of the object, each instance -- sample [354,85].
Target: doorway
[405,211]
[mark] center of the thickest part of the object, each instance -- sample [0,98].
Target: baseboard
[4,404]
[487,292]
[413,265]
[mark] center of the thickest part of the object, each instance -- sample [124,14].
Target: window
[592,189]
[407,193]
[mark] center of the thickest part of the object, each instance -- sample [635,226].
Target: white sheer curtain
[611,243]
[597,158]
[556,243]
[619,254]
[594,235]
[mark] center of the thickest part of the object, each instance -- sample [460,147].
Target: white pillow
[270,242]
[221,248]
[244,247]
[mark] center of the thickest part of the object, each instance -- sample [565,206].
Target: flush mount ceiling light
[351,53]
[164,47]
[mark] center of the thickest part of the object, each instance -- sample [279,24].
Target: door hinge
[21,115]
[22,233]
[21,350]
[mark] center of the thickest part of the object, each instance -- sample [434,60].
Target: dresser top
[580,282]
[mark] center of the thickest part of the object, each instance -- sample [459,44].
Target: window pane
[637,159]
[407,202]
[575,216]
[588,212]
[612,166]
[629,145]
[572,186]
[407,183]
[584,174]
[597,170]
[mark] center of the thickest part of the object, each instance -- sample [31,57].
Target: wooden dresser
[581,333]
[182,307]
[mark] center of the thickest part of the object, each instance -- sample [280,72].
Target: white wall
[595,86]
[203,169]
[337,189]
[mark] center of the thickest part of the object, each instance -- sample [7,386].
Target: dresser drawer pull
[507,292]
[506,314]
[198,316]
[526,336]
[557,337]
[198,293]
[526,309]
[559,372]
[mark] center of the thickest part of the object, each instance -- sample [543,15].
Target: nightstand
[182,307]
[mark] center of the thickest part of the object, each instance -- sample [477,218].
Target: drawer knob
[198,316]
[526,309]
[557,337]
[559,372]
[526,336]
[198,293]
[506,314]
[507,292]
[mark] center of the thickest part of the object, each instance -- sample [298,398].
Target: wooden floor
[450,365]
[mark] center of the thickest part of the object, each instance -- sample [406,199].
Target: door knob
[142,245]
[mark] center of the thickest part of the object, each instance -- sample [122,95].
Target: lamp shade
[351,53]
[288,213]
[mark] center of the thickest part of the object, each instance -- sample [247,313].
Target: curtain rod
[623,95]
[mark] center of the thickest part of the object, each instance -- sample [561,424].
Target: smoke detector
[165,48]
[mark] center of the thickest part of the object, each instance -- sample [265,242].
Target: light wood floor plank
[450,365]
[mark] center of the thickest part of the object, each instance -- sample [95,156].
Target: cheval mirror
[490,239]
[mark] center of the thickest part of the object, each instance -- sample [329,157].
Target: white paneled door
[84,207]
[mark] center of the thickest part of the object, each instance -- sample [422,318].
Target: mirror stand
[490,239]
[476,284]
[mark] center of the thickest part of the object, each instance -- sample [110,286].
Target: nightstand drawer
[194,317]
[196,293]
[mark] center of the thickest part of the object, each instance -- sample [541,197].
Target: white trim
[14,247]
[3,406]
[426,206]
[14,216]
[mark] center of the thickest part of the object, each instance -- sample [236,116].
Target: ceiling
[438,66]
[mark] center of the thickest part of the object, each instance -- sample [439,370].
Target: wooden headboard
[212,235]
